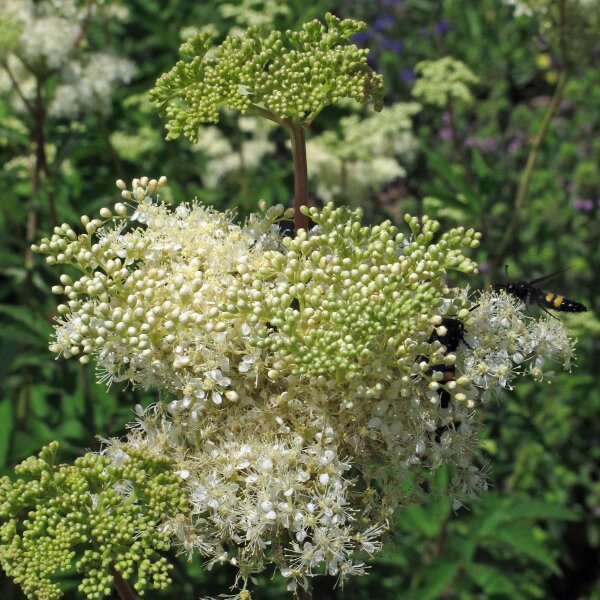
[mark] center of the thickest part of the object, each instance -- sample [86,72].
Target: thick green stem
[296,129]
[300,174]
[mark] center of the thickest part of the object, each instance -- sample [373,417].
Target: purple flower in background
[483,267]
[361,38]
[489,144]
[583,204]
[408,75]
[566,104]
[442,27]
[395,46]
[446,134]
[384,22]
[515,144]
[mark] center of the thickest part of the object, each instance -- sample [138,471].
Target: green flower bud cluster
[443,81]
[99,515]
[292,77]
[366,297]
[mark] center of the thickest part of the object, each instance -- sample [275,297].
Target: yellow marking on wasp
[558,301]
[549,297]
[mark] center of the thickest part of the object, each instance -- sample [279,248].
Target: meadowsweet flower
[307,374]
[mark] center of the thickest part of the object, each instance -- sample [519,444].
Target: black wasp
[455,333]
[527,292]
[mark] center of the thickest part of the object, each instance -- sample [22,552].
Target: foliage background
[536,534]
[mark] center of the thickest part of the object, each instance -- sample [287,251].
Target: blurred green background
[536,533]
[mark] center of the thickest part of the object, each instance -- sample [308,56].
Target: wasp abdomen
[560,303]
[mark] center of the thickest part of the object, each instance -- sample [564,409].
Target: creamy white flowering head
[152,304]
[308,378]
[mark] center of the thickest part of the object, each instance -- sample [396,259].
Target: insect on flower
[527,292]
[455,333]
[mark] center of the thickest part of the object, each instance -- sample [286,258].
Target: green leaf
[521,539]
[25,316]
[427,520]
[527,508]
[439,578]
[493,580]
[479,164]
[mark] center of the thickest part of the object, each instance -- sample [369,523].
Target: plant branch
[254,109]
[19,91]
[300,174]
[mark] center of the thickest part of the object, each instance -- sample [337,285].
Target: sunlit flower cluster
[48,30]
[307,375]
[505,343]
[363,154]
[292,75]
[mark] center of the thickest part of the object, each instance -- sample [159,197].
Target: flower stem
[296,129]
[122,587]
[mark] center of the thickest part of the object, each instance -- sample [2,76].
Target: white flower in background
[47,38]
[48,30]
[89,85]
[443,81]
[253,13]
[223,160]
[505,342]
[364,155]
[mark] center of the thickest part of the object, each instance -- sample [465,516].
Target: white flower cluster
[223,161]
[48,40]
[311,377]
[89,84]
[364,154]
[253,13]
[48,30]
[504,343]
